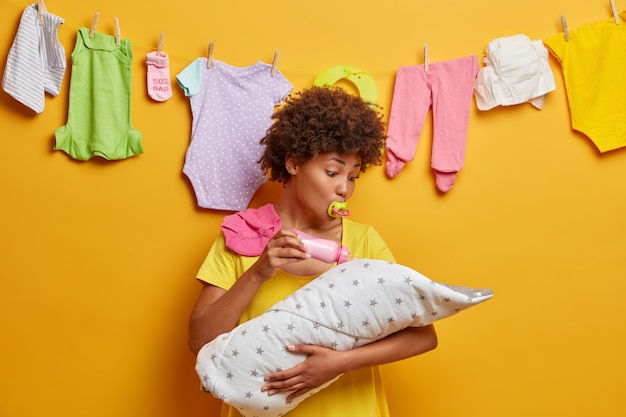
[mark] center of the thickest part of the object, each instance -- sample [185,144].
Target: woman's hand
[324,364]
[284,248]
[321,365]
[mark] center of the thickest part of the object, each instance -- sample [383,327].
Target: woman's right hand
[284,248]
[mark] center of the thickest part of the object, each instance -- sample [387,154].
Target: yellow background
[98,258]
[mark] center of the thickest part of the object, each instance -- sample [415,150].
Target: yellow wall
[98,258]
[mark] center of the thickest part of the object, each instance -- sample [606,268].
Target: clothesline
[184,58]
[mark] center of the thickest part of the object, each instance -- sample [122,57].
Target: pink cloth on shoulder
[247,232]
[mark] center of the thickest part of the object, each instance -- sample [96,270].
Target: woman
[320,142]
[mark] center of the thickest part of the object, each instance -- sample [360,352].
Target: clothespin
[118,33]
[160,47]
[564,25]
[209,62]
[614,10]
[425,57]
[40,8]
[275,63]
[93,24]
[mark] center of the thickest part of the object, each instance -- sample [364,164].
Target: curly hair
[320,120]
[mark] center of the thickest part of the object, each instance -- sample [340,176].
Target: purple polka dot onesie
[231,111]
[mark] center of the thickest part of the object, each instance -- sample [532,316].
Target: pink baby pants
[448,87]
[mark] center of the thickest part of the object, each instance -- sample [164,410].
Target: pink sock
[159,87]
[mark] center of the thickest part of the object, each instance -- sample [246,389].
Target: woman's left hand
[321,365]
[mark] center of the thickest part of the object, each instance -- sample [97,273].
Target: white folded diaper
[516,71]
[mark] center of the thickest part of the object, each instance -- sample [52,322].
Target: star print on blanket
[350,305]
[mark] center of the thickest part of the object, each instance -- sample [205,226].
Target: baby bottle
[323,249]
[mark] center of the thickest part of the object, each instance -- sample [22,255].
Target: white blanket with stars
[350,305]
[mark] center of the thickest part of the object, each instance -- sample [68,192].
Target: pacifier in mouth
[338,209]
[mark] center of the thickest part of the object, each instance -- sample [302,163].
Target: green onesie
[99,122]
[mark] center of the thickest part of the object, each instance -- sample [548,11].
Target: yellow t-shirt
[356,394]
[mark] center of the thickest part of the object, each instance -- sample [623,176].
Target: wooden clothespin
[160,47]
[425,57]
[93,24]
[40,9]
[564,25]
[614,10]
[118,33]
[209,62]
[275,63]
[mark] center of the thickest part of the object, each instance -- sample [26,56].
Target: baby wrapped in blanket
[348,306]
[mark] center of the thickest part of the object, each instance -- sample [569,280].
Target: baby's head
[321,120]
